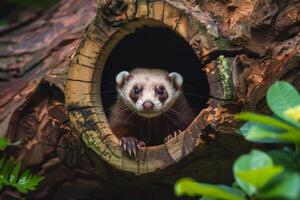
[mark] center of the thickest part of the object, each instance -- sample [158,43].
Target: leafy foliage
[192,188]
[260,175]
[3,23]
[249,167]
[282,97]
[285,128]
[5,143]
[10,176]
[10,173]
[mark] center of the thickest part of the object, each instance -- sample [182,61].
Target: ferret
[150,106]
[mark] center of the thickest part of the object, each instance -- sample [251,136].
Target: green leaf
[256,133]
[187,186]
[2,161]
[3,23]
[284,158]
[3,143]
[297,160]
[7,168]
[294,113]
[9,176]
[265,134]
[259,177]
[264,119]
[282,96]
[245,128]
[260,133]
[14,175]
[286,186]
[254,170]
[28,181]
[208,198]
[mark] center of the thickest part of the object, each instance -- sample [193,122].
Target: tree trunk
[244,47]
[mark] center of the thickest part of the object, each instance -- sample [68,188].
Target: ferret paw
[131,145]
[171,136]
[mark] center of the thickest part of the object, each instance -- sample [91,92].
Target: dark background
[150,47]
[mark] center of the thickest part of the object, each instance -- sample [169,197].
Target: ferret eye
[161,92]
[136,91]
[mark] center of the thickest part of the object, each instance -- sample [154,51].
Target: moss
[223,44]
[225,74]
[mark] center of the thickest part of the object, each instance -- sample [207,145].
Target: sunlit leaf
[254,170]
[189,187]
[286,186]
[281,97]
[294,113]
[208,198]
[265,134]
[264,119]
[259,177]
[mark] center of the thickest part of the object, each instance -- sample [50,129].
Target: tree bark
[35,55]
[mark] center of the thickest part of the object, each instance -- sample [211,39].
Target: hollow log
[51,72]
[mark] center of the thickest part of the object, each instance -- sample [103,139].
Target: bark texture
[264,40]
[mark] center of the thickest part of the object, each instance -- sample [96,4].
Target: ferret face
[149,92]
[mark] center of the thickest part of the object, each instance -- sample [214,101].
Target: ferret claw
[131,145]
[129,151]
[134,152]
[169,137]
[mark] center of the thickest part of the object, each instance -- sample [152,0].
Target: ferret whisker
[118,113]
[168,128]
[178,114]
[149,131]
[174,114]
[205,96]
[181,115]
[196,95]
[167,124]
[131,115]
[108,92]
[110,82]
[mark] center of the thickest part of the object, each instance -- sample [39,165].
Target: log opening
[83,88]
[156,47]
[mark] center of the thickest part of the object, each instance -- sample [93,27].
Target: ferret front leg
[131,145]
[171,136]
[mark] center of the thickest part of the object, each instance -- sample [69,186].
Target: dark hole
[156,48]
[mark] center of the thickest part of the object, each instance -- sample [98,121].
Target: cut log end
[84,101]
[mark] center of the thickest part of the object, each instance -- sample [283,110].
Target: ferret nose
[148,105]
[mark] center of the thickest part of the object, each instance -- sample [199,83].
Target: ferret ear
[176,79]
[121,78]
